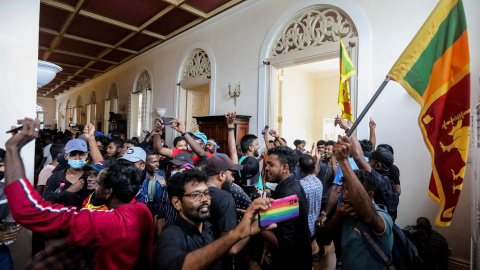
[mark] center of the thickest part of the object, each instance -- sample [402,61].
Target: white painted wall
[236,38]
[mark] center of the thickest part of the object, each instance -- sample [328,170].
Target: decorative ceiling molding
[313,27]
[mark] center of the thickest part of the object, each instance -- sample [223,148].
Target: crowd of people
[107,202]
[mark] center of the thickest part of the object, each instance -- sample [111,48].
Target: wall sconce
[236,93]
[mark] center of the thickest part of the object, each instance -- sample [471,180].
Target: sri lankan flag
[346,70]
[435,70]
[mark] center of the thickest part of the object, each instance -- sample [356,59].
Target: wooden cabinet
[215,127]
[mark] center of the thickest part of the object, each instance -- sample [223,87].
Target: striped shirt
[313,190]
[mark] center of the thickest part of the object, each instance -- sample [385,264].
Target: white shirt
[46,153]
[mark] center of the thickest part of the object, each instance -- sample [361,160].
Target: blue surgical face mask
[76,164]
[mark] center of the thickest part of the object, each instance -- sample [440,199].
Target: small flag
[346,70]
[435,70]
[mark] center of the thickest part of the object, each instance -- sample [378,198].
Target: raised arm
[265,138]
[232,148]
[373,137]
[357,195]
[196,147]
[157,140]
[357,154]
[274,134]
[89,132]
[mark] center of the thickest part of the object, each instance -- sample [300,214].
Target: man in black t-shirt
[291,239]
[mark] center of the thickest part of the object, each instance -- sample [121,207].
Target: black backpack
[404,255]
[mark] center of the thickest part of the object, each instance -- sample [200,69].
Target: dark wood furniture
[215,127]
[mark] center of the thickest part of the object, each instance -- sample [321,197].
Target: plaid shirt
[64,256]
[313,190]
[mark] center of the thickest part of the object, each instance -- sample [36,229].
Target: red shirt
[123,237]
[195,158]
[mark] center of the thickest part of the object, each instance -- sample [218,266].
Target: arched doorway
[40,114]
[68,114]
[141,106]
[78,110]
[111,105]
[60,123]
[194,91]
[92,109]
[303,73]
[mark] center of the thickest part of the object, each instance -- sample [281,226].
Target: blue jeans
[6,262]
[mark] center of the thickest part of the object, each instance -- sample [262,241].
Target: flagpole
[370,103]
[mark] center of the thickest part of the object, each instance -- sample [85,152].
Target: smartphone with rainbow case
[281,210]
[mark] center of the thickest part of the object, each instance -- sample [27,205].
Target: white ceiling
[325,68]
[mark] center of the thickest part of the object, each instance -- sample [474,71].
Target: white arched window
[141,105]
[40,114]
[92,109]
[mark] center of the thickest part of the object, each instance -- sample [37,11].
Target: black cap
[182,158]
[221,163]
[250,174]
[384,156]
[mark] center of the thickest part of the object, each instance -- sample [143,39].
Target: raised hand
[342,148]
[273,133]
[249,224]
[159,127]
[342,123]
[372,124]
[177,125]
[28,133]
[230,118]
[89,131]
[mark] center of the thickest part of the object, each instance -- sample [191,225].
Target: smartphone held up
[281,210]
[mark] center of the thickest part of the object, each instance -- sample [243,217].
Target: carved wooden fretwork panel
[199,108]
[313,27]
[38,108]
[143,82]
[112,92]
[93,98]
[196,65]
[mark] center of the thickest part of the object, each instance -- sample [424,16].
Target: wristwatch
[184,133]
[323,213]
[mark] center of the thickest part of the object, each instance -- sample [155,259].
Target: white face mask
[174,172]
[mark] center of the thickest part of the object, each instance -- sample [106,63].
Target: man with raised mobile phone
[290,241]
[188,243]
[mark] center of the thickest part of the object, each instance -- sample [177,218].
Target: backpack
[386,194]
[404,254]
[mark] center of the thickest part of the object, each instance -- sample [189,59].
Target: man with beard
[212,147]
[223,216]
[189,242]
[291,246]
[119,236]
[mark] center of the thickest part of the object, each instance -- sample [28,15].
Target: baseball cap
[97,133]
[384,156]
[199,135]
[135,154]
[250,174]
[218,164]
[76,145]
[97,167]
[182,158]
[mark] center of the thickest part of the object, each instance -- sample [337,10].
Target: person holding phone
[290,241]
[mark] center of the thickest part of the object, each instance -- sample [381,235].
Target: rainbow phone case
[281,210]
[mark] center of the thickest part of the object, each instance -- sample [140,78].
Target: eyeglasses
[197,196]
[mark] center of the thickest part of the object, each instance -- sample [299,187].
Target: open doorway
[193,101]
[308,95]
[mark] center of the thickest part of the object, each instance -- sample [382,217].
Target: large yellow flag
[346,70]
